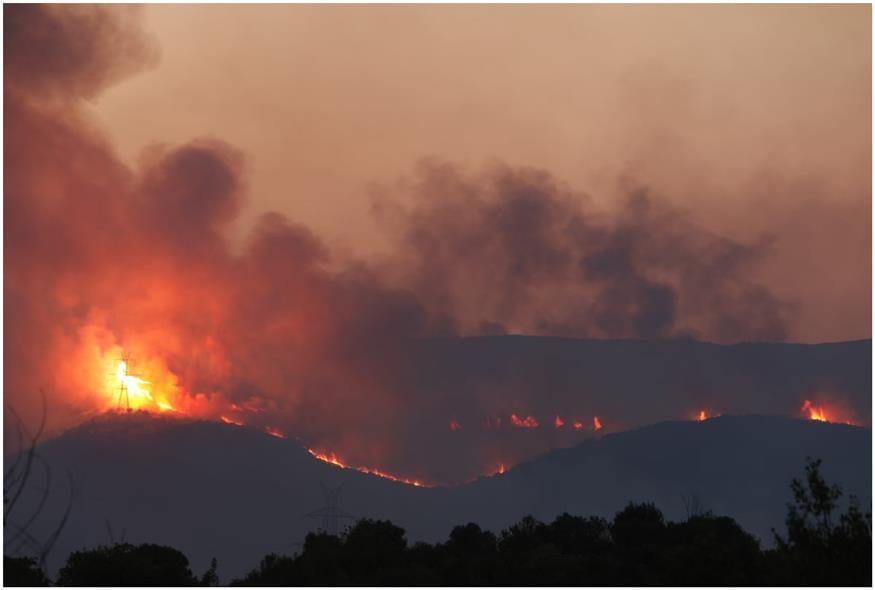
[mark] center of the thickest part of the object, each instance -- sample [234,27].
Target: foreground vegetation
[636,548]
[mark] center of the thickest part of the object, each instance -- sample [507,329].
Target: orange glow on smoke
[455,425]
[333,459]
[529,422]
[596,423]
[558,423]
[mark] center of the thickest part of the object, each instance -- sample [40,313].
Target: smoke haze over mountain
[104,257]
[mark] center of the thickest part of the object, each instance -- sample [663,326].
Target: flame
[821,413]
[151,387]
[333,459]
[815,412]
[596,423]
[227,420]
[165,406]
[455,425]
[274,432]
[578,425]
[137,394]
[529,422]
[558,423]
[501,469]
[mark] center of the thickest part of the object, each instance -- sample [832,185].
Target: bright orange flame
[814,412]
[165,406]
[596,423]
[702,416]
[154,389]
[137,394]
[529,422]
[334,460]
[274,432]
[558,423]
[454,425]
[227,420]
[578,425]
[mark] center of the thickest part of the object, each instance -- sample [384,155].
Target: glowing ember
[596,423]
[558,423]
[334,460]
[578,425]
[274,432]
[455,425]
[814,412]
[529,422]
[227,420]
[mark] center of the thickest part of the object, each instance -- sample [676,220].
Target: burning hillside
[124,290]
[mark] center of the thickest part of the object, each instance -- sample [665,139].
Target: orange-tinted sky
[755,118]
[276,215]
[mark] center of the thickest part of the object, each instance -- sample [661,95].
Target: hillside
[213,489]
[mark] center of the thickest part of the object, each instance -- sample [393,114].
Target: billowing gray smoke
[354,358]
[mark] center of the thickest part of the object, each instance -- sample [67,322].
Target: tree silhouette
[28,470]
[23,571]
[127,565]
[816,551]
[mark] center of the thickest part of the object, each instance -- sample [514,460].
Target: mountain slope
[218,490]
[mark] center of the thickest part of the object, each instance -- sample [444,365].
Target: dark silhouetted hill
[217,490]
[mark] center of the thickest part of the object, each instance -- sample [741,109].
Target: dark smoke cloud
[99,255]
[512,249]
[71,52]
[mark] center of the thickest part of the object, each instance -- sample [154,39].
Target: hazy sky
[757,119]
[269,206]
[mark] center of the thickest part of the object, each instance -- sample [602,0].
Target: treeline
[638,547]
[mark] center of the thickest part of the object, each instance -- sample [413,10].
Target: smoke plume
[103,259]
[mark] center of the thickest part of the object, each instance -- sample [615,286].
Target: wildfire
[578,425]
[227,420]
[528,422]
[136,393]
[125,390]
[814,412]
[558,422]
[596,423]
[165,406]
[274,432]
[333,459]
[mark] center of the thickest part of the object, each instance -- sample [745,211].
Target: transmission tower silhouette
[123,394]
[331,513]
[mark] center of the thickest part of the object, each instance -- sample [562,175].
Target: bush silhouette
[22,571]
[127,565]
